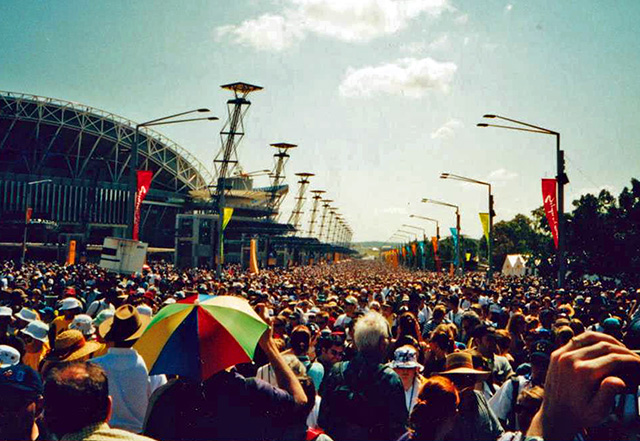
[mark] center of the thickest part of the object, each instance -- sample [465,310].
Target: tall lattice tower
[232,132]
[333,216]
[323,220]
[296,214]
[277,175]
[317,196]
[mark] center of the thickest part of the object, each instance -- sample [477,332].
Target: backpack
[350,396]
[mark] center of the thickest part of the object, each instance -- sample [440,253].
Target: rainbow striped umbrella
[200,336]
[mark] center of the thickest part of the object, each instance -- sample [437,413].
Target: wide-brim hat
[126,324]
[71,345]
[406,357]
[461,363]
[37,330]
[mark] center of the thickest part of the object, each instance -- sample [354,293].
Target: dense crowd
[354,351]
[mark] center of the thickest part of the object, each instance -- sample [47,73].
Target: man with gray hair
[364,398]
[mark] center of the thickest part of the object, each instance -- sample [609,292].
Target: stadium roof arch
[52,138]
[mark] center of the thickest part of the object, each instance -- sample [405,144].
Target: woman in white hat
[405,363]
[36,343]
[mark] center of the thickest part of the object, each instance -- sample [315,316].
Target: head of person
[21,404]
[469,321]
[35,335]
[408,325]
[459,368]
[76,396]
[405,363]
[434,414]
[438,313]
[371,335]
[300,339]
[527,405]
[441,342]
[517,324]
[350,305]
[486,340]
[563,335]
[331,349]
[125,327]
[540,357]
[70,307]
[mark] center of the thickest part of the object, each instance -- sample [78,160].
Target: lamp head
[203,110]
[444,175]
[488,116]
[482,125]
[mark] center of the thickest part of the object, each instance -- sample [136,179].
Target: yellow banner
[484,218]
[228,212]
[468,256]
[253,258]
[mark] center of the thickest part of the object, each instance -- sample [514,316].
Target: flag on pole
[253,259]
[456,244]
[144,182]
[228,212]
[484,219]
[549,198]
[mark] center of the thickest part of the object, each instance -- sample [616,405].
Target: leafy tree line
[602,234]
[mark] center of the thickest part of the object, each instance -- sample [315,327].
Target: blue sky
[381,96]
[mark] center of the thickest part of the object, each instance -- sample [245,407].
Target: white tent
[514,265]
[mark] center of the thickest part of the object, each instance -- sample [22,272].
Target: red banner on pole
[549,198]
[144,182]
[434,242]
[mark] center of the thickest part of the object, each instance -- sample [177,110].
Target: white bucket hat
[406,357]
[70,303]
[84,324]
[28,315]
[9,356]
[145,310]
[5,311]
[37,330]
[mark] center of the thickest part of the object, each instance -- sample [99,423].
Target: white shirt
[411,394]
[502,401]
[130,387]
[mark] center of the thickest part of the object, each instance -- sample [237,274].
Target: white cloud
[408,77]
[414,48]
[346,20]
[267,32]
[502,175]
[463,19]
[448,130]
[440,43]
[508,8]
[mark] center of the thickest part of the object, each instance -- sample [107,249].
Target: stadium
[69,163]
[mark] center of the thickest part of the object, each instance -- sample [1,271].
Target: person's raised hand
[583,378]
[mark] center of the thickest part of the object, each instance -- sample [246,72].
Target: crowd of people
[354,350]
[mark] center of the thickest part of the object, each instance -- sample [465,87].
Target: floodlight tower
[277,175]
[325,210]
[317,196]
[294,219]
[333,214]
[227,157]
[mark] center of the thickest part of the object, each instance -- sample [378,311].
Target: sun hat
[461,363]
[84,324]
[20,381]
[37,330]
[9,356]
[5,311]
[126,324]
[70,303]
[71,345]
[406,357]
[28,315]
[351,300]
[102,316]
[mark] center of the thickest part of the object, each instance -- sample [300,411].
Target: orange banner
[71,256]
[434,242]
[253,257]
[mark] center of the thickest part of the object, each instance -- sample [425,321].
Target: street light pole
[26,217]
[491,213]
[436,252]
[446,204]
[133,161]
[561,179]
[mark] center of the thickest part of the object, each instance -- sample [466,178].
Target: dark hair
[76,396]
[438,400]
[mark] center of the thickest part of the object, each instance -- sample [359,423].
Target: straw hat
[461,363]
[126,324]
[71,345]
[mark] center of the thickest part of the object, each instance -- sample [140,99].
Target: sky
[380,96]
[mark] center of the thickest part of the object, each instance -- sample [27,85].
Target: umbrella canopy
[198,338]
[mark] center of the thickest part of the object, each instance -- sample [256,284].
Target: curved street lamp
[446,204]
[561,178]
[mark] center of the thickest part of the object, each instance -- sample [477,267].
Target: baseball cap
[350,300]
[20,381]
[542,350]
